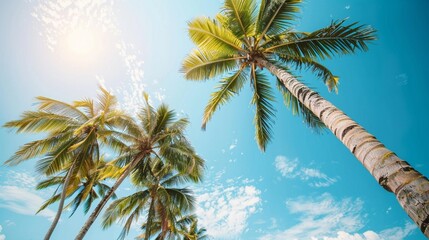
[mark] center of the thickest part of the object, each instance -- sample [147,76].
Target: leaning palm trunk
[61,203]
[395,175]
[106,198]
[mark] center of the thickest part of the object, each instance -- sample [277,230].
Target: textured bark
[106,198]
[395,175]
[61,203]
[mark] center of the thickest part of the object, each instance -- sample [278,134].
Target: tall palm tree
[248,37]
[161,198]
[85,189]
[159,134]
[183,227]
[74,134]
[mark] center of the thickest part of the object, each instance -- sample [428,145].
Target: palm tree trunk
[106,198]
[61,203]
[393,174]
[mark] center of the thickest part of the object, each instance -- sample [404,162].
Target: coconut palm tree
[74,135]
[85,189]
[188,227]
[158,134]
[161,198]
[249,38]
[183,227]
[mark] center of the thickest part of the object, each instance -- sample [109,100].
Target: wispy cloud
[225,210]
[18,195]
[401,79]
[396,233]
[325,218]
[290,169]
[23,201]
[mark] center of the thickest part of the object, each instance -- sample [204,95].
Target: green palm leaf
[200,65]
[228,87]
[240,16]
[213,37]
[330,80]
[324,43]
[264,114]
[276,16]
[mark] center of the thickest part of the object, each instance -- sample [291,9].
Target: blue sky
[305,186]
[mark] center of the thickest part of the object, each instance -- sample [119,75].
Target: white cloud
[320,216]
[2,236]
[18,194]
[233,144]
[23,201]
[396,233]
[290,169]
[285,166]
[225,210]
[324,218]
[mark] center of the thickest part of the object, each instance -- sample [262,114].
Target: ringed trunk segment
[105,199]
[61,203]
[393,174]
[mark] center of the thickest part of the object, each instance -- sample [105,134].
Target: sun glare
[81,42]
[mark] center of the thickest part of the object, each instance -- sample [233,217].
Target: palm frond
[36,122]
[209,35]
[164,117]
[203,65]
[87,106]
[228,87]
[330,80]
[60,108]
[326,42]
[241,16]
[37,148]
[181,198]
[262,98]
[54,161]
[119,208]
[52,181]
[276,16]
[105,101]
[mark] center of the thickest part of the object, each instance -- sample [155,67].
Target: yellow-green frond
[201,65]
[210,36]
[227,88]
[241,18]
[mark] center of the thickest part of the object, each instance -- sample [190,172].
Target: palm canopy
[75,132]
[158,133]
[86,187]
[161,198]
[229,46]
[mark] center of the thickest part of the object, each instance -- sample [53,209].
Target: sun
[81,41]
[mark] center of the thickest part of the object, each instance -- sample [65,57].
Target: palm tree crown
[232,44]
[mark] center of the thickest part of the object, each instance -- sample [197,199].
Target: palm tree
[161,199]
[248,37]
[74,134]
[188,227]
[183,227]
[85,189]
[157,134]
